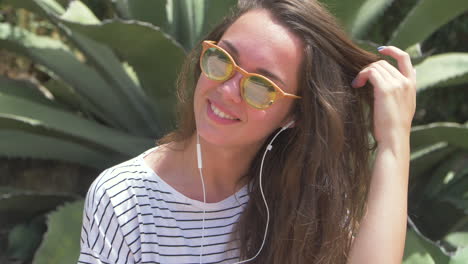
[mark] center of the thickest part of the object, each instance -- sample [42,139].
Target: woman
[277,70]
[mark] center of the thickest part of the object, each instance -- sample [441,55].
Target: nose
[230,89]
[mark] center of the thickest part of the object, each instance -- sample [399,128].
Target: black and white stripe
[132,216]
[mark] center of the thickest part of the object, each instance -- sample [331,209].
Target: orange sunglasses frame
[245,74]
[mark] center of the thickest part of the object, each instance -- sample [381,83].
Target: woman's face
[260,45]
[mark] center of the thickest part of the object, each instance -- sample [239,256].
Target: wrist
[397,144]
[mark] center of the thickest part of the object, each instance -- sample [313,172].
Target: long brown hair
[317,175]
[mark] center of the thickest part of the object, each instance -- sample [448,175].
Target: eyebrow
[262,71]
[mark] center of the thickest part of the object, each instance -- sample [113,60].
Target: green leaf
[65,96]
[369,11]
[418,250]
[452,133]
[425,18]
[32,5]
[442,70]
[188,18]
[436,225]
[16,143]
[448,175]
[215,11]
[425,158]
[133,111]
[457,192]
[130,95]
[122,8]
[61,242]
[461,256]
[24,239]
[111,69]
[345,11]
[55,56]
[23,89]
[153,12]
[23,205]
[356,16]
[141,119]
[459,239]
[50,5]
[79,13]
[71,126]
[415,52]
[28,39]
[154,52]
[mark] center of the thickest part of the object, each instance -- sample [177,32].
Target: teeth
[221,113]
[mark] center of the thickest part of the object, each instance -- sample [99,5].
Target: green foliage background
[88,84]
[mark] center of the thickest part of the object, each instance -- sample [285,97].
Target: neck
[223,167]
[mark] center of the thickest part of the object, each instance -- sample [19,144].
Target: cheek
[264,121]
[201,88]
[204,85]
[275,115]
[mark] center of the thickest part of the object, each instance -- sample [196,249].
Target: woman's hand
[382,230]
[394,95]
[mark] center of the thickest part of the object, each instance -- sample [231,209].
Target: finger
[390,69]
[386,72]
[370,74]
[393,78]
[403,59]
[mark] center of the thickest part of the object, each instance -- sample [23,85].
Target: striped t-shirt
[132,216]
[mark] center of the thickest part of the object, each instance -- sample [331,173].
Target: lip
[218,119]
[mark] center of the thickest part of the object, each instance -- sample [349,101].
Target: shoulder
[120,182]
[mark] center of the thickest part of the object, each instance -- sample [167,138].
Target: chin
[216,137]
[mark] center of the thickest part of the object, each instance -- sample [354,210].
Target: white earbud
[288,125]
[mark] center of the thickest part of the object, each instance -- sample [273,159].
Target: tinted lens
[216,64]
[258,92]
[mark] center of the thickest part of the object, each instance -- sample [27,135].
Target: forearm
[381,235]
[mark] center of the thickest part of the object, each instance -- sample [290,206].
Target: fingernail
[353,83]
[381,48]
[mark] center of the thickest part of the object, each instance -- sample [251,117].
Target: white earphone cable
[269,147]
[200,166]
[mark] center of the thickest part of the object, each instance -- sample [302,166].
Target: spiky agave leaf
[426,157]
[31,144]
[53,55]
[132,103]
[21,205]
[214,12]
[50,5]
[155,58]
[71,126]
[61,242]
[23,89]
[153,12]
[425,18]
[442,70]
[102,58]
[458,238]
[357,16]
[21,136]
[452,133]
[461,256]
[186,21]
[420,250]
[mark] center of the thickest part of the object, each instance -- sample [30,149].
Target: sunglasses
[256,89]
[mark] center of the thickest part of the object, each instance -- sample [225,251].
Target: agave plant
[111,94]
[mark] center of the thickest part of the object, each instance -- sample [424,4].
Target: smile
[220,113]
